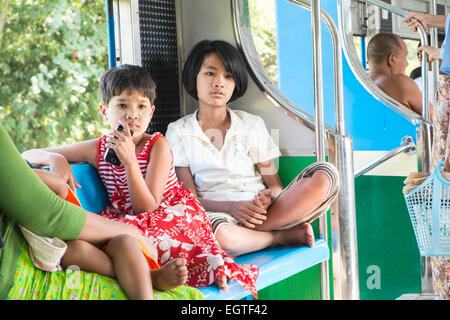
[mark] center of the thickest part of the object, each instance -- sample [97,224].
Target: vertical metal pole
[320,127]
[111,33]
[318,79]
[343,221]
[343,213]
[425,132]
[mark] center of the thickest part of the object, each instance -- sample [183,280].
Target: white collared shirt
[228,174]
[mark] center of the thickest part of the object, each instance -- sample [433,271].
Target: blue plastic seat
[275,264]
[92,194]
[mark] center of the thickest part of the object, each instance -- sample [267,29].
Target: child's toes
[180,262]
[221,282]
[183,279]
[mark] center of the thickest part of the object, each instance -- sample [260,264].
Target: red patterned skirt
[180,228]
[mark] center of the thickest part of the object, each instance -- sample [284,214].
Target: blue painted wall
[372,125]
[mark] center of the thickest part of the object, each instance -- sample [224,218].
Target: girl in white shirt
[226,158]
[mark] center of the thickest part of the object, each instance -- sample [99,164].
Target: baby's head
[230,58]
[128,78]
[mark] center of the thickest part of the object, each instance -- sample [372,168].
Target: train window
[263,25]
[413,60]
[53,54]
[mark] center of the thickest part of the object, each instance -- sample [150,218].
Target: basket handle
[437,173]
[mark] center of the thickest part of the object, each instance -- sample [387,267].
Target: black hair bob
[231,60]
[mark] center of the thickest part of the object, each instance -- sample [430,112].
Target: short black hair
[231,59]
[127,77]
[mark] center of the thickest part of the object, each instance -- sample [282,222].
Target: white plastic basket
[429,209]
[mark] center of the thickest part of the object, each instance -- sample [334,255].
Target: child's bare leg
[237,240]
[130,267]
[88,258]
[297,202]
[171,275]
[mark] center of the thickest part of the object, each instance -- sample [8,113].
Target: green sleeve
[25,198]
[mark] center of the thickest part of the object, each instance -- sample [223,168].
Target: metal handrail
[318,79]
[348,188]
[347,258]
[320,130]
[407,145]
[423,124]
[344,240]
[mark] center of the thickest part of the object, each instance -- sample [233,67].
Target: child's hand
[60,166]
[122,144]
[263,199]
[248,213]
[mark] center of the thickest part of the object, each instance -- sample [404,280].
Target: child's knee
[122,242]
[320,182]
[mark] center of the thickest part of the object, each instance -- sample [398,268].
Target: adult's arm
[426,20]
[445,49]
[24,197]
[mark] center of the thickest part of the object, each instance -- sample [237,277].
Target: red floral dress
[178,228]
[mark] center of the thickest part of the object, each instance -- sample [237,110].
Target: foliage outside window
[263,24]
[53,53]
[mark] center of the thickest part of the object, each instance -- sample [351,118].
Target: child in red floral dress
[143,189]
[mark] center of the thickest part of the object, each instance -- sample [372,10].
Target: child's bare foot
[301,234]
[171,275]
[221,282]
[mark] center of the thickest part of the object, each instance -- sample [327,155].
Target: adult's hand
[415,19]
[432,53]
